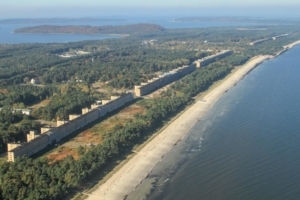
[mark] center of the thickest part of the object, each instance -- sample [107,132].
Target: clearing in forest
[95,134]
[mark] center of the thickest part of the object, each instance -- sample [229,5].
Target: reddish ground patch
[62,153]
[131,111]
[3,91]
[88,137]
[94,135]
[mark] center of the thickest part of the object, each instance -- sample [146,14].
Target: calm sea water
[8,37]
[247,147]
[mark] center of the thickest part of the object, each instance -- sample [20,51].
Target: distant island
[125,29]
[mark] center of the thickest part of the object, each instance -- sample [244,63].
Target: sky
[93,8]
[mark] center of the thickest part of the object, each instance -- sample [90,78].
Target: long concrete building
[51,135]
[169,77]
[259,41]
[210,59]
[162,80]
[280,36]
[267,39]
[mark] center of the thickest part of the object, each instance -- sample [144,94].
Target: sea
[247,147]
[8,37]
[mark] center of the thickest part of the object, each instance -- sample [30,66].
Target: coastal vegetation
[117,65]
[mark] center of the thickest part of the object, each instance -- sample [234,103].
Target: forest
[118,64]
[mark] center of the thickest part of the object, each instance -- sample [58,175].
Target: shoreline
[126,179]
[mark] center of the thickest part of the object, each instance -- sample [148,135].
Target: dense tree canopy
[14,126]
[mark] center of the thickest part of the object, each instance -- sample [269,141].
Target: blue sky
[152,3]
[92,8]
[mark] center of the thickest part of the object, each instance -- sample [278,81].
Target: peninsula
[126,29]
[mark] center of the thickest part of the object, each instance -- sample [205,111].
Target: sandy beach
[291,45]
[137,169]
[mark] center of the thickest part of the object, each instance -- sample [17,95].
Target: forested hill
[126,29]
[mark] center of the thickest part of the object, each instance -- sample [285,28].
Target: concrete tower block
[85,110]
[71,117]
[59,123]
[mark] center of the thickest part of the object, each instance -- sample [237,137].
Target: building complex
[171,76]
[51,135]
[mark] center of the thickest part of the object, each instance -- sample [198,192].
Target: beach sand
[137,169]
[291,45]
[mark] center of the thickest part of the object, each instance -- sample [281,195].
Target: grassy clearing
[40,104]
